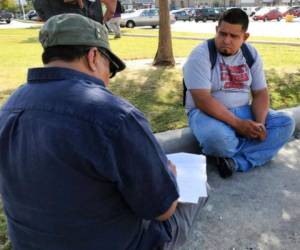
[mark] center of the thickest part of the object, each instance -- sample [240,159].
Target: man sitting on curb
[241,133]
[79,167]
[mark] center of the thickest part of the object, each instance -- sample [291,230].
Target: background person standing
[88,8]
[114,22]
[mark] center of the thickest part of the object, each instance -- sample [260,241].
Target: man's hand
[251,129]
[166,215]
[263,134]
[172,167]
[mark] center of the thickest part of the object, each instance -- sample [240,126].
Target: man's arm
[143,176]
[209,105]
[168,213]
[110,9]
[260,108]
[260,105]
[172,208]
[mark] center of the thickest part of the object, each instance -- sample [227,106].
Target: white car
[250,11]
[143,17]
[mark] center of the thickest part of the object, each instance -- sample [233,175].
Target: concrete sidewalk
[257,210]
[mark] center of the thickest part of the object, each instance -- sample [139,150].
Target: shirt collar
[58,73]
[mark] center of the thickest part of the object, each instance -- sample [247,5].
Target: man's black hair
[66,53]
[235,16]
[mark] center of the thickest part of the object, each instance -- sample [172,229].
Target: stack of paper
[191,176]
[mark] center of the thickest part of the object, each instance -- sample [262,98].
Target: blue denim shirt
[79,167]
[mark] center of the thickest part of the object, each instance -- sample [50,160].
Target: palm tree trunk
[164,55]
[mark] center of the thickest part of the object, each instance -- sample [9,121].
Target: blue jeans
[219,139]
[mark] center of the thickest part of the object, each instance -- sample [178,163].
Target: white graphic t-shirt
[230,81]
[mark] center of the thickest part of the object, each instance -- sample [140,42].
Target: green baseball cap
[75,29]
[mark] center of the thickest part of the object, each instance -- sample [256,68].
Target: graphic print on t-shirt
[234,78]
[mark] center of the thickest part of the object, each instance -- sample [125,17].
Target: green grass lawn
[156,91]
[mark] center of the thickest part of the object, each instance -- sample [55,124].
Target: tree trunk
[164,55]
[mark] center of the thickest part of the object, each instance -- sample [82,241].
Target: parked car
[32,15]
[220,9]
[129,11]
[143,17]
[295,11]
[250,11]
[268,15]
[181,14]
[282,9]
[255,10]
[5,16]
[205,14]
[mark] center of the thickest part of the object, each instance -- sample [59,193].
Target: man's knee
[283,123]
[220,144]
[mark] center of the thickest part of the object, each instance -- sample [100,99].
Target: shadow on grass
[157,92]
[284,88]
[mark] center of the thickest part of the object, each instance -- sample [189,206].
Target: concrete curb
[182,140]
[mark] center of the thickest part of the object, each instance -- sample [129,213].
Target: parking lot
[256,28]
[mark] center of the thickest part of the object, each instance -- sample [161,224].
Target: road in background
[256,28]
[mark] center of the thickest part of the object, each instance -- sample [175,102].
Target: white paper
[191,176]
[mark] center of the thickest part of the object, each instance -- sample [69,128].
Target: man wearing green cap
[79,167]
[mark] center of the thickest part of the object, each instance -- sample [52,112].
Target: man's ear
[92,59]
[246,36]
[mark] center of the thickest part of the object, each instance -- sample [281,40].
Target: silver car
[143,17]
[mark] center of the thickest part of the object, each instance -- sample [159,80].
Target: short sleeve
[197,69]
[257,72]
[140,168]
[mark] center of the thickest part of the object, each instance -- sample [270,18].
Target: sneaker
[117,36]
[226,167]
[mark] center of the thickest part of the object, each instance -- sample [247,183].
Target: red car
[295,11]
[268,15]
